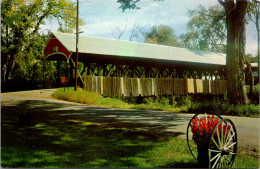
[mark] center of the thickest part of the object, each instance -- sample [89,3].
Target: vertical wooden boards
[135,87]
[101,84]
[85,81]
[140,87]
[190,85]
[94,84]
[155,86]
[168,86]
[185,86]
[89,83]
[108,86]
[105,81]
[128,86]
[153,90]
[99,80]
[180,86]
[213,87]
[124,86]
[149,86]
[218,87]
[115,88]
[159,86]
[162,86]
[145,86]
[198,86]
[114,91]
[175,86]
[206,86]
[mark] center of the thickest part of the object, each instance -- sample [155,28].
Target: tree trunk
[258,36]
[235,59]
[8,69]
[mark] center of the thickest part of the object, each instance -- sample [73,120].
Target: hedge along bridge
[116,67]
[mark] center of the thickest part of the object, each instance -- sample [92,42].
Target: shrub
[183,101]
[225,108]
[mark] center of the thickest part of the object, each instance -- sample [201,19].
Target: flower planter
[213,142]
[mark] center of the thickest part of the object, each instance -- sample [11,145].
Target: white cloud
[52,26]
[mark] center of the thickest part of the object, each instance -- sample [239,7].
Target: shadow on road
[119,118]
[70,135]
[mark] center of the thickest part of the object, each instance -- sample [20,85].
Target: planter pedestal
[203,156]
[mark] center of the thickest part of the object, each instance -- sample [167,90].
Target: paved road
[151,121]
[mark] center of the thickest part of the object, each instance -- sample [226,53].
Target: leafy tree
[235,58]
[206,30]
[161,34]
[21,42]
[251,58]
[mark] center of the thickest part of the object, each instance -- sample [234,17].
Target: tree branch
[222,3]
[37,27]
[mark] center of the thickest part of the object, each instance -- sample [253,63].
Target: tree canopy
[206,29]
[20,25]
[162,34]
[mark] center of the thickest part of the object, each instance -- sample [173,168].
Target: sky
[103,17]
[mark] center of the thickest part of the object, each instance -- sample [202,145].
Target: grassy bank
[178,103]
[90,98]
[71,142]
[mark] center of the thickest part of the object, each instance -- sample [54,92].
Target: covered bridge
[117,67]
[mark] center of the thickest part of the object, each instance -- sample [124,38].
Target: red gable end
[55,47]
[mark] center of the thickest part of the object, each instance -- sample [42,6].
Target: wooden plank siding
[125,86]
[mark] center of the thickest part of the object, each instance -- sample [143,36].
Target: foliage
[251,58]
[162,34]
[183,101]
[254,98]
[206,30]
[21,41]
[225,108]
[130,4]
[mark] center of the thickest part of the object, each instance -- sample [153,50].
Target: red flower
[202,128]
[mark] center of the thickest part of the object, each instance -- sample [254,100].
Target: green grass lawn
[64,142]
